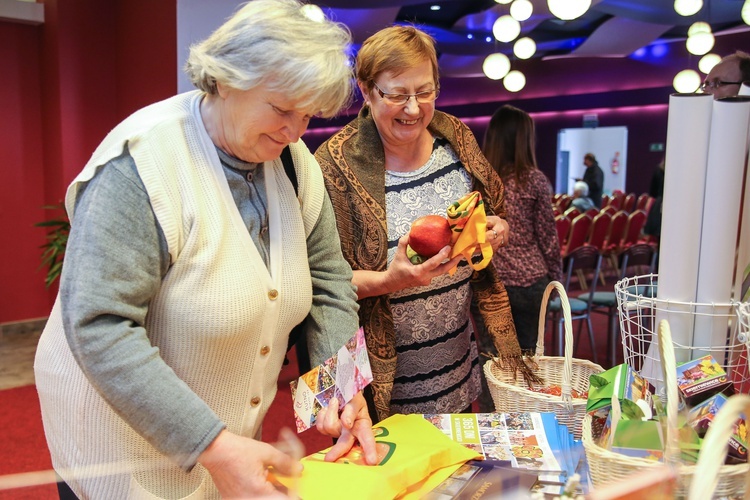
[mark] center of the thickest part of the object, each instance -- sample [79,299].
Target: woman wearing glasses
[398,160]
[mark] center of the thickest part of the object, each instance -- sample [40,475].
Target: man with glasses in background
[725,79]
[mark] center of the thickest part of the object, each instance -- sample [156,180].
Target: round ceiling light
[746,12]
[568,10]
[687,7]
[698,27]
[687,81]
[521,10]
[506,29]
[312,11]
[514,81]
[496,66]
[524,48]
[708,61]
[503,2]
[700,43]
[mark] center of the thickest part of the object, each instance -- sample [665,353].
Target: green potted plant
[57,239]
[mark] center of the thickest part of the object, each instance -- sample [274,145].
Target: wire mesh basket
[719,329]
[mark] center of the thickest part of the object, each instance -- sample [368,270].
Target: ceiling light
[506,29]
[521,10]
[434,7]
[514,81]
[496,66]
[568,10]
[503,2]
[708,61]
[469,36]
[524,48]
[312,11]
[700,43]
[746,12]
[488,39]
[687,7]
[687,81]
[698,27]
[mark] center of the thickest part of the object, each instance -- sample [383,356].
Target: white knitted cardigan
[218,290]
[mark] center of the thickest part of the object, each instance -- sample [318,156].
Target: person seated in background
[398,160]
[581,198]
[532,257]
[190,259]
[725,79]
[593,176]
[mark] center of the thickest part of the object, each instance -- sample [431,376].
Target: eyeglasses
[716,84]
[424,97]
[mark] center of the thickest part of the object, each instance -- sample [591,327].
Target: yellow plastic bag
[468,222]
[410,449]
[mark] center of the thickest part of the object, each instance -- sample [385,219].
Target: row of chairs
[561,203]
[584,265]
[609,234]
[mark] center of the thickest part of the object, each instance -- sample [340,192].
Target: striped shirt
[437,367]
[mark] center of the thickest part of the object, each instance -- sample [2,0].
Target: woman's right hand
[239,466]
[403,274]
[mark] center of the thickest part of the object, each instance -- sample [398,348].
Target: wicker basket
[607,466]
[511,394]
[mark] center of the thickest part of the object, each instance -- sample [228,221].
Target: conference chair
[579,229]
[572,212]
[562,224]
[633,229]
[643,202]
[628,203]
[636,260]
[586,259]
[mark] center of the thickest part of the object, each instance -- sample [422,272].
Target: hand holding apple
[428,235]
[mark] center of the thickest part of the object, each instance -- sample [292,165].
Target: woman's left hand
[498,232]
[351,427]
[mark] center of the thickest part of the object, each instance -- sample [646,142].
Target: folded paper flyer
[341,376]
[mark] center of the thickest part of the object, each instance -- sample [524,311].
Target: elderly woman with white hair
[581,198]
[191,257]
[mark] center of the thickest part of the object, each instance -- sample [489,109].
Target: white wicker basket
[511,394]
[606,466]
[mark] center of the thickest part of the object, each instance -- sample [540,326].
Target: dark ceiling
[463,28]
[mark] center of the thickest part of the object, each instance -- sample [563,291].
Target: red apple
[429,234]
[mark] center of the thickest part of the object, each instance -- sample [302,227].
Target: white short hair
[581,187]
[272,42]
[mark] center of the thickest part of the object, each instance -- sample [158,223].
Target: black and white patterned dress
[437,368]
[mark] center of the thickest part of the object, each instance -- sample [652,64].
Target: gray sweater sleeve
[333,318]
[114,263]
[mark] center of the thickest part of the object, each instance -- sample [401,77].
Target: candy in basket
[512,395]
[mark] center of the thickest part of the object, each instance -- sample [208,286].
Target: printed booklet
[532,441]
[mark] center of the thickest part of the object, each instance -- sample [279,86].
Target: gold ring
[495,233]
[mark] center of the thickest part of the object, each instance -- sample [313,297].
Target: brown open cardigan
[353,164]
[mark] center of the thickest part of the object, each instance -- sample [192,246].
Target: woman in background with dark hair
[532,256]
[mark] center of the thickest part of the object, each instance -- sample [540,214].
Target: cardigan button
[265,350]
[273,294]
[255,401]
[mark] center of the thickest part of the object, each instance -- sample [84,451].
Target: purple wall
[632,92]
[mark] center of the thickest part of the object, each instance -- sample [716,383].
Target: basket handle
[669,370]
[714,447]
[566,391]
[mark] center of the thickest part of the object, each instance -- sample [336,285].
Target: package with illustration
[701,416]
[700,379]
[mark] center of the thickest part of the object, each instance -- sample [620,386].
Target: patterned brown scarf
[353,164]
